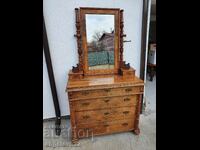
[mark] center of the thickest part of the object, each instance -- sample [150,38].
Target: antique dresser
[104,93]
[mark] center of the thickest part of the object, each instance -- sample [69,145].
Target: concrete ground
[119,141]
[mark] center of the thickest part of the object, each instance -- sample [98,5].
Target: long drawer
[86,130]
[105,115]
[104,92]
[108,102]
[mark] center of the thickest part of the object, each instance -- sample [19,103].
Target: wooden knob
[85,93]
[85,104]
[86,117]
[106,100]
[106,113]
[106,125]
[125,112]
[124,124]
[128,89]
[126,99]
[107,90]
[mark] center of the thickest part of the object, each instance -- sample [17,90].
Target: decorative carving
[121,48]
[78,36]
[73,124]
[124,65]
[137,130]
[76,69]
[120,90]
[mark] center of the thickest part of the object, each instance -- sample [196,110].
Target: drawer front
[109,102]
[105,115]
[105,92]
[85,130]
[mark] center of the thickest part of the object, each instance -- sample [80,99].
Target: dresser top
[108,81]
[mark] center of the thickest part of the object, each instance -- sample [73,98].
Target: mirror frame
[100,11]
[82,67]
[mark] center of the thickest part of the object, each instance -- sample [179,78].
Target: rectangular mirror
[100,41]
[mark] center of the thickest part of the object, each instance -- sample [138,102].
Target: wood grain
[94,116]
[98,102]
[105,92]
[108,127]
[107,102]
[103,101]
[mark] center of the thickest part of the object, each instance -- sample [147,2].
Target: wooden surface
[104,81]
[104,104]
[102,101]
[107,102]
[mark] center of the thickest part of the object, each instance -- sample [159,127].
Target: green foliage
[100,58]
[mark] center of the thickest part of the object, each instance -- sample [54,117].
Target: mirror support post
[121,36]
[79,66]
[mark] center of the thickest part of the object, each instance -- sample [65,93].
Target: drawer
[86,130]
[93,116]
[105,92]
[108,102]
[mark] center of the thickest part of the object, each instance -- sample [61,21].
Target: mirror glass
[100,41]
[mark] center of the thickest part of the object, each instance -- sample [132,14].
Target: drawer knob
[107,90]
[124,124]
[106,113]
[86,117]
[106,125]
[70,94]
[127,99]
[85,93]
[125,112]
[128,90]
[85,104]
[106,100]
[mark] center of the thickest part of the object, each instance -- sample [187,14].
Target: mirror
[100,36]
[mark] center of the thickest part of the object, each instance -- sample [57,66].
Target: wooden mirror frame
[82,66]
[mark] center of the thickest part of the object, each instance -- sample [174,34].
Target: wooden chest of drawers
[104,105]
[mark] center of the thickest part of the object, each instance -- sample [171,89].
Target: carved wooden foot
[137,131]
[74,136]
[74,141]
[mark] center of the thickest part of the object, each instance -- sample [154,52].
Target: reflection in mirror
[100,41]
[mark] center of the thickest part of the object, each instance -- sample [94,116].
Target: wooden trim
[103,87]
[79,99]
[116,13]
[73,123]
[96,8]
[137,129]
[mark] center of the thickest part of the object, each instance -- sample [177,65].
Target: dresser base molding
[89,133]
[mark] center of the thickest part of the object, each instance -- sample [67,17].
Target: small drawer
[105,92]
[109,102]
[104,115]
